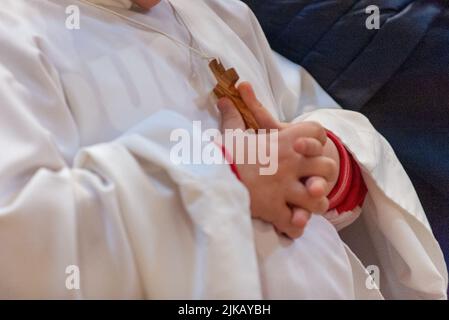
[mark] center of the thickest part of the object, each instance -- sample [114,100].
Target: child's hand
[305,146]
[315,185]
[282,198]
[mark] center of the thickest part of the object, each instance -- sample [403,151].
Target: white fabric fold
[113,3]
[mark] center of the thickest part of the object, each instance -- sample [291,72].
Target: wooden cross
[227,80]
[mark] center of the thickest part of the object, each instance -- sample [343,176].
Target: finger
[308,147]
[300,218]
[262,116]
[298,196]
[298,222]
[318,167]
[309,129]
[230,116]
[283,224]
[317,187]
[294,233]
[322,206]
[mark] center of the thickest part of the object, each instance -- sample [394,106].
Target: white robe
[86,177]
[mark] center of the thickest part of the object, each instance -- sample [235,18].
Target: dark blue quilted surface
[398,76]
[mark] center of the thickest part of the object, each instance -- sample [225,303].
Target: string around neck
[198,52]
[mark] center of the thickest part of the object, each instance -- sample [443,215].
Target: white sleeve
[393,231]
[135,224]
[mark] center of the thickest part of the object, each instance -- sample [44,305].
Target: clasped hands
[307,168]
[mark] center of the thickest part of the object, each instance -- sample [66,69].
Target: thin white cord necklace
[198,52]
[226,78]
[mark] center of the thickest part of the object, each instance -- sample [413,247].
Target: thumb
[230,116]
[262,116]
